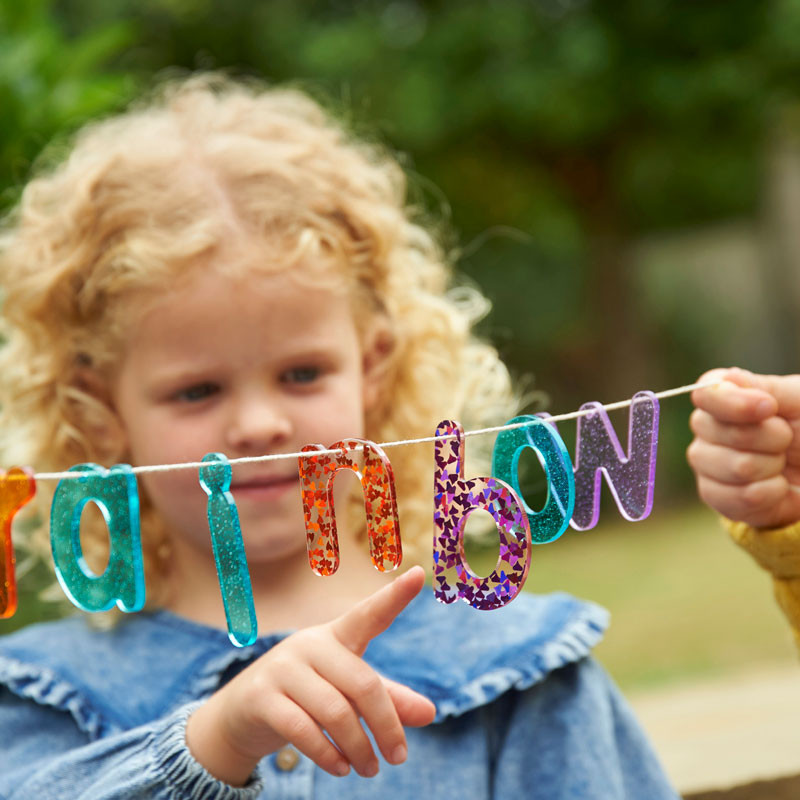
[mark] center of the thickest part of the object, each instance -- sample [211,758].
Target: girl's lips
[264,488]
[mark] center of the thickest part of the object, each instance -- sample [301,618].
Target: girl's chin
[281,552]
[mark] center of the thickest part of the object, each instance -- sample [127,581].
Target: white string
[58,476]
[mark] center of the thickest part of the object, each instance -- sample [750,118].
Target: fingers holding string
[730,402]
[770,436]
[733,467]
[771,503]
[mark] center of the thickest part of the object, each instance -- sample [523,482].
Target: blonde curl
[141,198]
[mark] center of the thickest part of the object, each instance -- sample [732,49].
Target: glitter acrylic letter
[114,492]
[454,499]
[598,451]
[226,539]
[542,437]
[17,487]
[380,503]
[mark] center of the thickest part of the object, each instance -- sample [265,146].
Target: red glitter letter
[380,503]
[17,487]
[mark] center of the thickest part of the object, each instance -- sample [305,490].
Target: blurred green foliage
[50,82]
[559,132]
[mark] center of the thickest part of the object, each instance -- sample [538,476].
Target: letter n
[380,504]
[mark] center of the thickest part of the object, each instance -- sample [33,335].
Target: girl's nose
[257,425]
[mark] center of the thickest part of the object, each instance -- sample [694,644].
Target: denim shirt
[521,710]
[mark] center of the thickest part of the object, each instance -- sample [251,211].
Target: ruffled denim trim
[203,676]
[43,686]
[184,776]
[571,644]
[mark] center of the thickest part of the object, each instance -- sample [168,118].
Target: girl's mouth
[265,488]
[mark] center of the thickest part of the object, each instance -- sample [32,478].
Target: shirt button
[286,759]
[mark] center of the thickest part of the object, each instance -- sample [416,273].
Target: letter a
[115,494]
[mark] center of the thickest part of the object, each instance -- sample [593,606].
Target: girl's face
[245,367]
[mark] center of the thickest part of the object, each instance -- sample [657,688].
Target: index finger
[376,613]
[784,388]
[730,401]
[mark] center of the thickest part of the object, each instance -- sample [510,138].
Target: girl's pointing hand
[311,684]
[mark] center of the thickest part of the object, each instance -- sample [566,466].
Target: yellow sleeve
[777,550]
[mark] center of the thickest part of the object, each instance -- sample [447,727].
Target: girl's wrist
[213,752]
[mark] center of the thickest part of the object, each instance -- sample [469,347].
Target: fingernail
[399,754]
[342,769]
[765,407]
[371,770]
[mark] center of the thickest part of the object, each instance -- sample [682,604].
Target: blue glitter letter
[226,537]
[115,494]
[549,523]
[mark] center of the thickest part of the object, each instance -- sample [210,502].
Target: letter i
[229,555]
[17,487]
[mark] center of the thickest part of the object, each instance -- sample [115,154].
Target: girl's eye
[301,375]
[194,394]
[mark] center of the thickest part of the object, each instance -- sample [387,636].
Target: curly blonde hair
[143,196]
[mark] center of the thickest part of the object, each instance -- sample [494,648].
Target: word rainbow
[573,499]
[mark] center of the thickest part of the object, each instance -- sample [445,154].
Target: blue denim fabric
[522,710]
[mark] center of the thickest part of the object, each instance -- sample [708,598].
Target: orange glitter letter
[17,487]
[380,503]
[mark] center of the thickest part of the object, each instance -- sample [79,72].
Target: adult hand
[746,450]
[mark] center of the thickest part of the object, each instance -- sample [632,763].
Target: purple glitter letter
[631,478]
[380,503]
[454,500]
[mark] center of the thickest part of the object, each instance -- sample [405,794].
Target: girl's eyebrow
[315,351]
[168,376]
[189,369]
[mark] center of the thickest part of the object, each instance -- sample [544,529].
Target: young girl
[746,455]
[226,270]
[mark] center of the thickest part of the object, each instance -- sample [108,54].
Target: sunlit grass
[684,600]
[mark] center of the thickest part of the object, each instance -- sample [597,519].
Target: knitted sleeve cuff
[787,593]
[777,550]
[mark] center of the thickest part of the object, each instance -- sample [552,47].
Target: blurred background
[621,177]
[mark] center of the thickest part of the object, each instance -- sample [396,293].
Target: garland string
[58,476]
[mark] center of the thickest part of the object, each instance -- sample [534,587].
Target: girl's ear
[379,346]
[97,416]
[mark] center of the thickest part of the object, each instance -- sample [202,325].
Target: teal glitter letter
[549,523]
[226,537]
[115,494]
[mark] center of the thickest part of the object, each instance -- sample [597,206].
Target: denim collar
[154,662]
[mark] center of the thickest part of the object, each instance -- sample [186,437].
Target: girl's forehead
[245,285]
[258,271]
[209,298]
